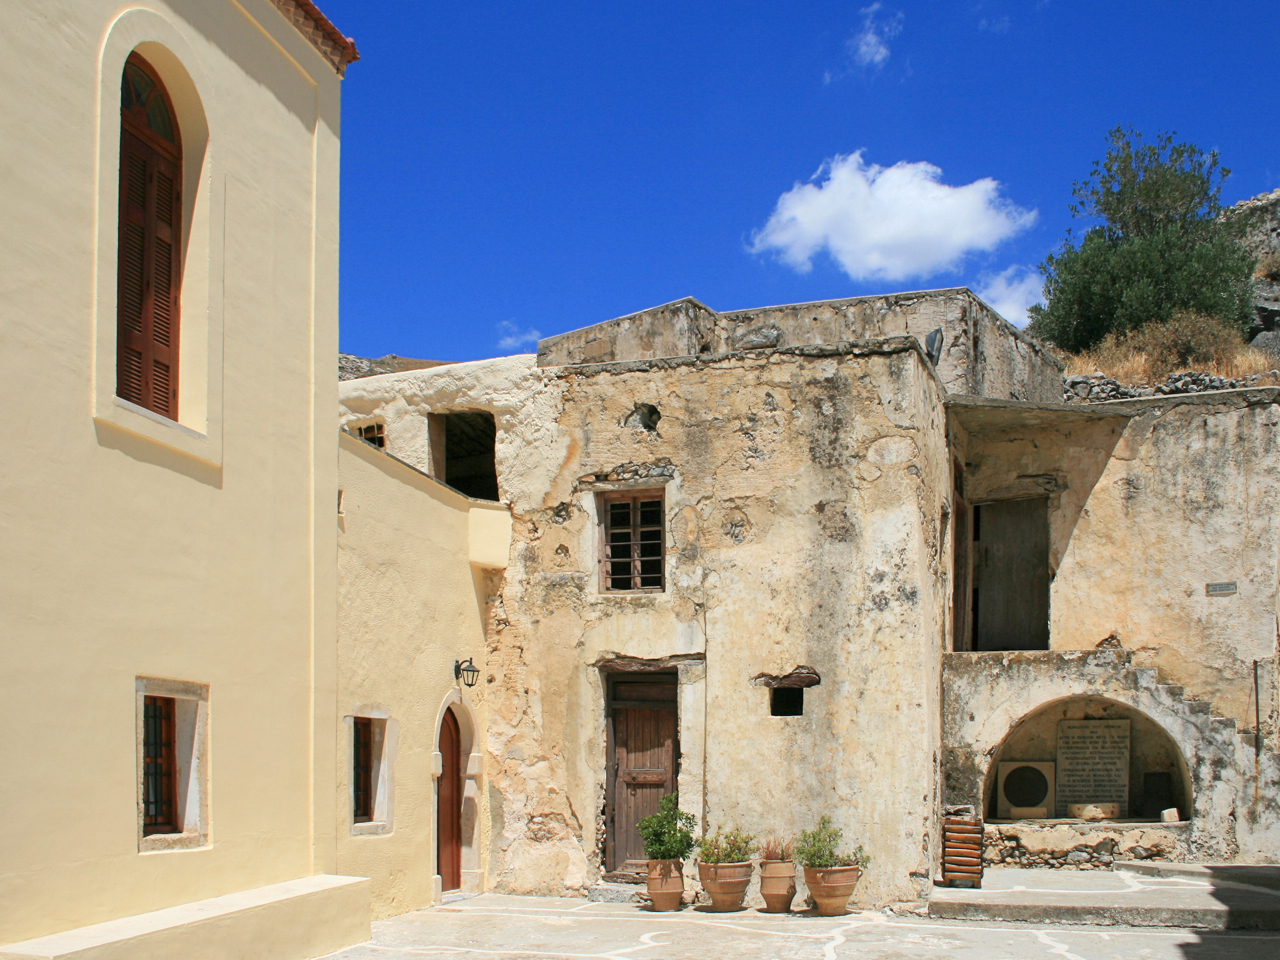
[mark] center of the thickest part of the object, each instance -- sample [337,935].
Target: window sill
[370,828]
[138,420]
[166,842]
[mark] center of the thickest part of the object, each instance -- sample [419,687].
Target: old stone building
[849,558]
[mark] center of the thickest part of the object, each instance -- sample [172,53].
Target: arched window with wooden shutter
[150,232]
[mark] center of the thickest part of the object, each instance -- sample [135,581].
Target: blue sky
[512,170]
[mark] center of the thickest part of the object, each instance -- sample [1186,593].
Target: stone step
[604,892]
[1248,874]
[1104,898]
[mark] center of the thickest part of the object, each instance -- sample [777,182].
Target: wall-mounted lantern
[466,671]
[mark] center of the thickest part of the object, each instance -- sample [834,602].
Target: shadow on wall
[1158,775]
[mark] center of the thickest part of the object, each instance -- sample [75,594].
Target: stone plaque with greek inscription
[1093,763]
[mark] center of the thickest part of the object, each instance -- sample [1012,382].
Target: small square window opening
[373,433]
[786,702]
[633,541]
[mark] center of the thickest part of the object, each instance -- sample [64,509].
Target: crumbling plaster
[1234,807]
[806,510]
[981,354]
[1149,500]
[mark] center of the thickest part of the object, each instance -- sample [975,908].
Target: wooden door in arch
[449,805]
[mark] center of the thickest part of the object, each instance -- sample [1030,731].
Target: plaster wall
[804,493]
[988,698]
[199,551]
[412,600]
[1148,502]
[982,354]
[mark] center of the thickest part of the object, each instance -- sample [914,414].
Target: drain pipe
[1257,716]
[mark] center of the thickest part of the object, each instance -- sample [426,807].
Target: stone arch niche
[472,766]
[1152,749]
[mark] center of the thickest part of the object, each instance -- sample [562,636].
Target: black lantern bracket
[466,671]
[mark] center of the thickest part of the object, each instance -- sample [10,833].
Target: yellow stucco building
[174,736]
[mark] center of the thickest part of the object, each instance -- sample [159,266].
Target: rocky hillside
[351,367]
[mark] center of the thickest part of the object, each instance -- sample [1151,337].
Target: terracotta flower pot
[666,884]
[726,883]
[777,884]
[831,888]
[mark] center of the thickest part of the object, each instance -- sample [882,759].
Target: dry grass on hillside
[1268,268]
[1187,342]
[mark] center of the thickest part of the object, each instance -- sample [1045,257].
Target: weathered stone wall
[1233,811]
[1150,500]
[1083,846]
[981,353]
[805,494]
[1262,213]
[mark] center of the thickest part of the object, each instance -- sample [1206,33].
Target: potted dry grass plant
[724,867]
[668,838]
[829,874]
[777,874]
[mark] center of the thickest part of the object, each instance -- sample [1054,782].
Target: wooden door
[644,761]
[449,805]
[1011,570]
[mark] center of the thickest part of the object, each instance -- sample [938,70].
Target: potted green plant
[668,838]
[724,867]
[777,874]
[829,874]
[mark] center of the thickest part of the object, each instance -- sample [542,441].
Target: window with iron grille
[159,767]
[373,433]
[634,541]
[362,769]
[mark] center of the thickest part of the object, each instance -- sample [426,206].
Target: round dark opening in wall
[1026,787]
[645,416]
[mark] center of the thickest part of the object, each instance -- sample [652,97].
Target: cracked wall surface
[1148,503]
[805,509]
[980,353]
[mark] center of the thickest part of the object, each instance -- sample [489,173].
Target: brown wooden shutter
[148,283]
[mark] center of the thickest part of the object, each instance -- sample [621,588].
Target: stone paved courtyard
[523,928]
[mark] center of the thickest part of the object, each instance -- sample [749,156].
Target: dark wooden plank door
[449,805]
[1011,569]
[645,762]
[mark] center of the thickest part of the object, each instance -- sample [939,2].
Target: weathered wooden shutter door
[148,282]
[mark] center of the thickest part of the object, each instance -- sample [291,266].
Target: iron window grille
[159,767]
[362,769]
[634,542]
[374,433]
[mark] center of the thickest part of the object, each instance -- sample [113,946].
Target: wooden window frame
[603,504]
[147,348]
[362,784]
[159,761]
[374,433]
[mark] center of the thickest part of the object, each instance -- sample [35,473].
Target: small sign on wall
[1225,589]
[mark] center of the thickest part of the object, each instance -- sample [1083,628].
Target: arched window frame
[148,305]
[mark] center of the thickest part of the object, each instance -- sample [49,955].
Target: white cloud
[513,338]
[1011,292]
[869,47]
[888,223]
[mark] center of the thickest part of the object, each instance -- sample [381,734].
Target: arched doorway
[449,792]
[1153,768]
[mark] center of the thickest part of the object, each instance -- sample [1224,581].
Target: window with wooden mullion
[362,770]
[634,542]
[159,767]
